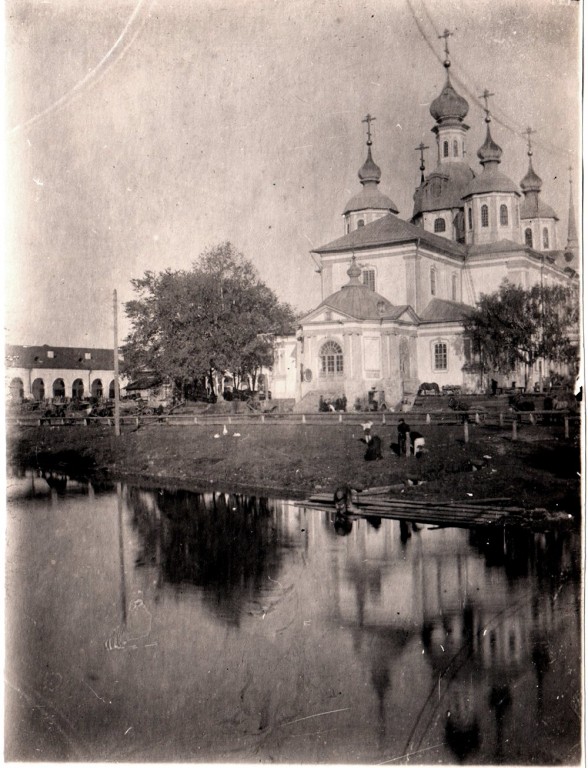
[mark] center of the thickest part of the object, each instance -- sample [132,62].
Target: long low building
[45,372]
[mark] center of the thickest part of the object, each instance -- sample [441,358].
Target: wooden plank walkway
[450,513]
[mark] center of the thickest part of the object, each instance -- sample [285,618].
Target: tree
[218,316]
[517,326]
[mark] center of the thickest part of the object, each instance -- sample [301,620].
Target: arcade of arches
[41,390]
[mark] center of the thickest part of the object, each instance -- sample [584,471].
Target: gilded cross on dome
[528,133]
[446,35]
[486,95]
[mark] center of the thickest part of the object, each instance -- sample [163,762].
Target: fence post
[466,431]
[262,418]
[477,417]
[383,418]
[428,419]
[340,417]
[531,418]
[303,419]
[230,422]
[501,419]
[514,429]
[195,419]
[566,427]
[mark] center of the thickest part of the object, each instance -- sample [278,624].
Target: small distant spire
[528,133]
[486,95]
[421,148]
[572,244]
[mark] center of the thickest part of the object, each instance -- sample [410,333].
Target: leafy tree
[218,316]
[517,326]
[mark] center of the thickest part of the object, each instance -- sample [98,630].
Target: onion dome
[531,182]
[489,152]
[369,171]
[449,105]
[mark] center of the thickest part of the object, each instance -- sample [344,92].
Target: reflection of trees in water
[227,543]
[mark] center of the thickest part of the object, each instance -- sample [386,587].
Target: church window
[360,223]
[445,149]
[503,215]
[439,225]
[440,356]
[529,237]
[433,281]
[454,287]
[369,278]
[545,238]
[470,223]
[484,215]
[331,359]
[455,148]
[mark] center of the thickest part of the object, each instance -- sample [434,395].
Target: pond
[165,625]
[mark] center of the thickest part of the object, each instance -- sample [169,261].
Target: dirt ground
[540,469]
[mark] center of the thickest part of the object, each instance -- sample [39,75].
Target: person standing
[403,431]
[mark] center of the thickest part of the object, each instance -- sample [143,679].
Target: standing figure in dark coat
[403,430]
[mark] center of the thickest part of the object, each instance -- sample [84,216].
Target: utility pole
[116,382]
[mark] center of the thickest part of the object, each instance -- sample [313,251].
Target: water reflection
[286,634]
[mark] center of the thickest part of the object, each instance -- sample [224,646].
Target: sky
[141,133]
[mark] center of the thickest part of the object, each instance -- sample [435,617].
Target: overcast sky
[142,132]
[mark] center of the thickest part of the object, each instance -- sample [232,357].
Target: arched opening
[439,225]
[58,388]
[484,215]
[445,149]
[470,224]
[360,223]
[111,390]
[455,148]
[331,359]
[529,237]
[38,389]
[545,237]
[16,390]
[503,215]
[77,389]
[97,388]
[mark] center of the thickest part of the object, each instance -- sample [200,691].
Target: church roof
[360,302]
[444,311]
[370,198]
[390,230]
[443,188]
[490,180]
[500,246]
[533,207]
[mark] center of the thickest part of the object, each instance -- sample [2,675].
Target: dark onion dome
[491,179]
[449,105]
[369,171]
[531,182]
[370,197]
[358,300]
[443,188]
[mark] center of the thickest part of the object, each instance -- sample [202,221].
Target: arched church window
[545,237]
[503,215]
[433,281]
[440,356]
[360,223]
[331,359]
[470,223]
[529,237]
[484,215]
[369,278]
[439,225]
[445,149]
[455,148]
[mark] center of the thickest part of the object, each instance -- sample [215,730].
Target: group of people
[409,441]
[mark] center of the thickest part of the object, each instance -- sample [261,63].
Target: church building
[397,291]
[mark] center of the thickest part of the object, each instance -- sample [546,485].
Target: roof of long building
[23,356]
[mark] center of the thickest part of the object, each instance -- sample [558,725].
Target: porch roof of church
[361,303]
[500,246]
[444,311]
[390,230]
[536,209]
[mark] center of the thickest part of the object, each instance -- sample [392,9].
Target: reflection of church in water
[449,606]
[395,291]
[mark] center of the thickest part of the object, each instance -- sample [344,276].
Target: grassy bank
[540,469]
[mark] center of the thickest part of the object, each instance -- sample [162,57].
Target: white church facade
[397,291]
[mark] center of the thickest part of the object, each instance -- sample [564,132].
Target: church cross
[369,120]
[528,133]
[421,148]
[486,95]
[446,35]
